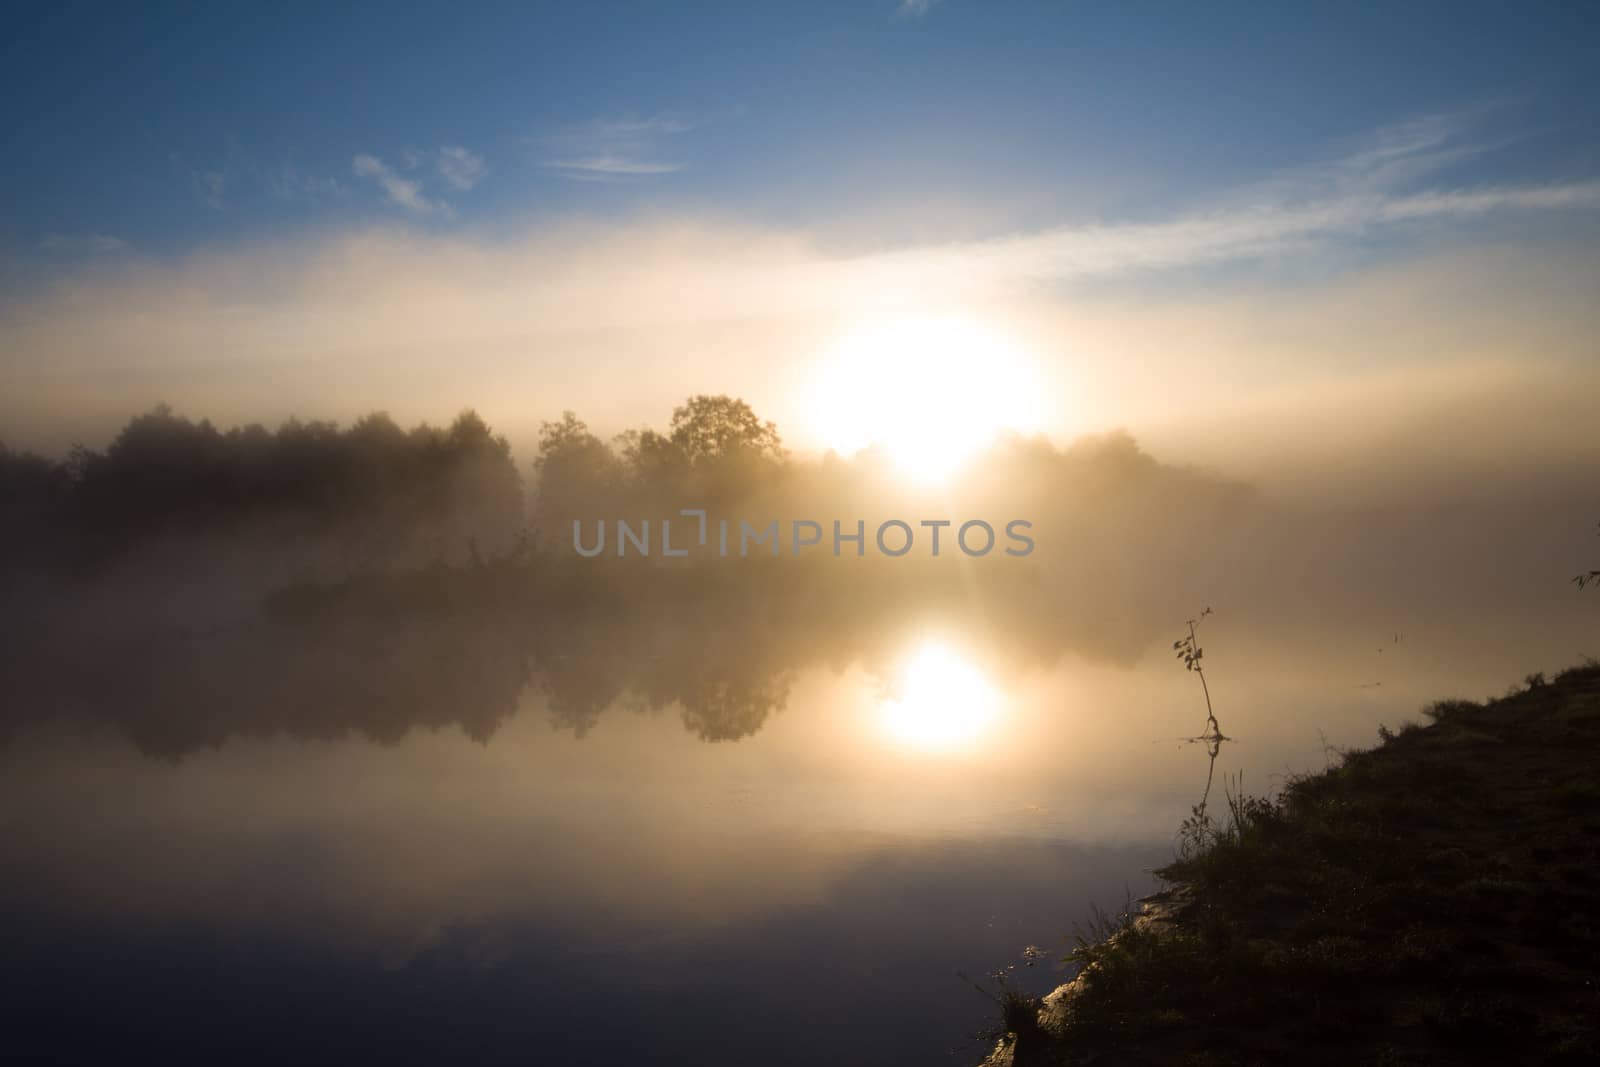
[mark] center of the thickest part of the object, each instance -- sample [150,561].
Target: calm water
[454,841]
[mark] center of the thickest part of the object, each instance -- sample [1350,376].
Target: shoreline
[1426,900]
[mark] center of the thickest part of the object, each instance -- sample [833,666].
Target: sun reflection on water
[942,702]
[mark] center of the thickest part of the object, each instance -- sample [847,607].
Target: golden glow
[942,702]
[932,391]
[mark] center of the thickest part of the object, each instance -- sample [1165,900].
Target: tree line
[380,488]
[388,495]
[381,498]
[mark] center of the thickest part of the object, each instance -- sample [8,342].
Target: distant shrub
[1443,709]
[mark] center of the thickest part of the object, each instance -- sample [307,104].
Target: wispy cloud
[93,244]
[211,185]
[460,168]
[630,126]
[613,149]
[1394,157]
[1260,232]
[397,188]
[241,174]
[286,181]
[609,166]
[405,184]
[915,9]
[1377,188]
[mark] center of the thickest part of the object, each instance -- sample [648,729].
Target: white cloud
[1393,158]
[398,189]
[609,166]
[460,167]
[915,9]
[613,149]
[1376,188]
[1247,233]
[1079,251]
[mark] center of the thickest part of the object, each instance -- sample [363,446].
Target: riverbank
[1433,899]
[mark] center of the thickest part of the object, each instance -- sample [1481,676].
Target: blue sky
[866,120]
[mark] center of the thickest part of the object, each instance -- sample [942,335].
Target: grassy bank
[1434,899]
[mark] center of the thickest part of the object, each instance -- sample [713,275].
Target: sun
[942,702]
[931,390]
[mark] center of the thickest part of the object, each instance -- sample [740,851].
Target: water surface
[626,841]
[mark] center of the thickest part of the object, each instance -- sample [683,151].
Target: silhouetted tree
[709,429]
[727,452]
[577,476]
[33,496]
[378,490]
